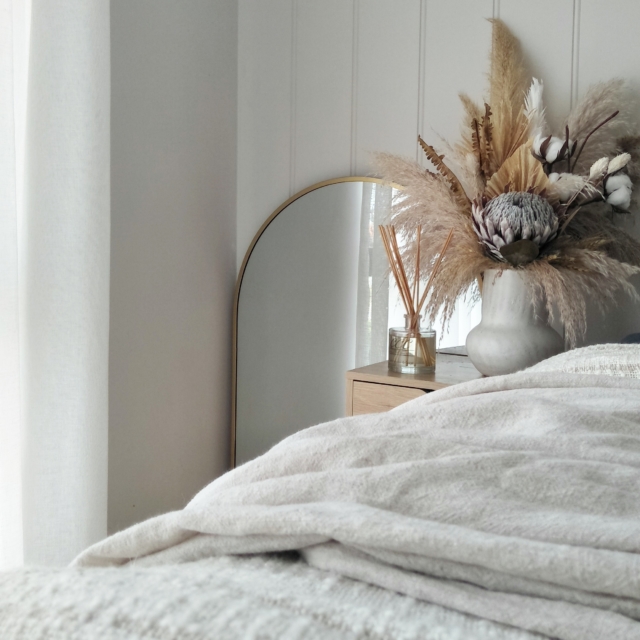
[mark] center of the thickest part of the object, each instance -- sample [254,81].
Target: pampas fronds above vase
[520,196]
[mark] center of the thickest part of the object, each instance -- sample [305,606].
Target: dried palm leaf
[520,172]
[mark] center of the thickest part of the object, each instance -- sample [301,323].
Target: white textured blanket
[225,598]
[516,499]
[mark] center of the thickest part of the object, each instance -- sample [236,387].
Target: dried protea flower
[512,218]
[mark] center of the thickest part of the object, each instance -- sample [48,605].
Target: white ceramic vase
[514,332]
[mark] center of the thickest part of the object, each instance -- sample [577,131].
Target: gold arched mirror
[308,293]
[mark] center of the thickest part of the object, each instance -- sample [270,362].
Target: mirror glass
[308,296]
[313,302]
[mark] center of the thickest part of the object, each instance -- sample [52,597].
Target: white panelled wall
[322,84]
[173,144]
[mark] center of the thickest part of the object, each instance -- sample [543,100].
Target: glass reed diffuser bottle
[412,349]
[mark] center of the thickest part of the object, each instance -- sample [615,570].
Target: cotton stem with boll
[611,117]
[606,182]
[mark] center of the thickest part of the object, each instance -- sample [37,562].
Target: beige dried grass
[598,103]
[508,82]
[576,273]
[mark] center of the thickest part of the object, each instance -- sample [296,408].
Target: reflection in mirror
[313,301]
[312,304]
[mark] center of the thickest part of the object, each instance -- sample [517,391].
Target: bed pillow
[601,359]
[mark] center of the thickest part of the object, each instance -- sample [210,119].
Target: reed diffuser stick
[412,300]
[434,271]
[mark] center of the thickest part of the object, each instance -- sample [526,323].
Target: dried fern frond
[446,173]
[507,84]
[472,112]
[488,165]
[521,172]
[477,147]
[464,165]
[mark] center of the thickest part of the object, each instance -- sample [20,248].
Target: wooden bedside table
[373,389]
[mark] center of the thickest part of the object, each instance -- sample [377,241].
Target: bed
[506,507]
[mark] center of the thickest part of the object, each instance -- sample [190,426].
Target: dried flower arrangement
[520,197]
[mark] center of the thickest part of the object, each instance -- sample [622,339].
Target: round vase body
[514,332]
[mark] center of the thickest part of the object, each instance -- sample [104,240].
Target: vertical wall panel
[545,31]
[264,113]
[458,41]
[322,103]
[608,42]
[456,58]
[173,226]
[387,79]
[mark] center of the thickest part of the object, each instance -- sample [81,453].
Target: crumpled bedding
[515,499]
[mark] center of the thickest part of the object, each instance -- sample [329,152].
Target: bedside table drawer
[371,397]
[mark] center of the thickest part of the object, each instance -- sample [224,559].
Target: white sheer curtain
[372,311]
[54,277]
[379,305]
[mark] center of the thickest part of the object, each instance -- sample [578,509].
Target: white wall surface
[174,74]
[321,84]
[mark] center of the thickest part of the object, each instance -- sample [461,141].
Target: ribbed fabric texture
[225,598]
[621,360]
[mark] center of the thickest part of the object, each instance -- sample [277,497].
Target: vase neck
[507,298]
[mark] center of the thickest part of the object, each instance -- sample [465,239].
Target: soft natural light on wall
[14,39]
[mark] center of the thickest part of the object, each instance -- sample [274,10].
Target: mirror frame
[236,297]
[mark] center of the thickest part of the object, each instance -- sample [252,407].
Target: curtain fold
[372,313]
[53,483]
[11,550]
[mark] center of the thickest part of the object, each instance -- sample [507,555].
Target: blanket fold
[515,498]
